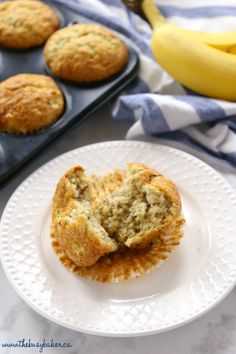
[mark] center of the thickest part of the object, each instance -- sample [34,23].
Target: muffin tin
[80,100]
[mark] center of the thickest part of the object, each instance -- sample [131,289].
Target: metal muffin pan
[80,99]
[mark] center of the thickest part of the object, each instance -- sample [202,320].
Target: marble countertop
[214,333]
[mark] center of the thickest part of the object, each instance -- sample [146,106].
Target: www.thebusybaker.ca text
[23,343]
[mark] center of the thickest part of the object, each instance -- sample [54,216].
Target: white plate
[200,272]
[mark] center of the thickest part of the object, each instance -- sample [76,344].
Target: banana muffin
[93,216]
[127,263]
[29,103]
[26,23]
[74,222]
[85,53]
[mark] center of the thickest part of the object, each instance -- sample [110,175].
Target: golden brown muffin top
[26,23]
[28,103]
[85,53]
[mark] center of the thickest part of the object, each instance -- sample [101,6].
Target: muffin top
[28,103]
[26,23]
[85,53]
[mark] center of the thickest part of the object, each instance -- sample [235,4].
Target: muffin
[29,103]
[127,263]
[85,53]
[142,204]
[75,224]
[93,216]
[26,23]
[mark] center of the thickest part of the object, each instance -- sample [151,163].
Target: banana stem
[152,13]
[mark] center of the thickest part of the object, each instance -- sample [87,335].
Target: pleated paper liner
[128,263]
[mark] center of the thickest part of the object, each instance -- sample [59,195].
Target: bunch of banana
[203,62]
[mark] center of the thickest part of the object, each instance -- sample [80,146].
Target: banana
[232,50]
[194,64]
[191,60]
[222,41]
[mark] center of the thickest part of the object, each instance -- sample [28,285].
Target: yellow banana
[223,41]
[232,50]
[195,64]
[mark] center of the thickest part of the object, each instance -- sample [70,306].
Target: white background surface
[214,333]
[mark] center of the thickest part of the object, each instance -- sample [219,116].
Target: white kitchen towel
[161,109]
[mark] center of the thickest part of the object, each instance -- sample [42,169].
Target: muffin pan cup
[80,99]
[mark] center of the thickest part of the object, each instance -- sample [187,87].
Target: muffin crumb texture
[85,53]
[29,103]
[26,23]
[117,226]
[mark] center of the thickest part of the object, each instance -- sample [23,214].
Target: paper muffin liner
[127,263]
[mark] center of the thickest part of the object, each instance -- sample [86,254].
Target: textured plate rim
[220,295]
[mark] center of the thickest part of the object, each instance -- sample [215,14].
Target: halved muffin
[140,206]
[74,222]
[94,215]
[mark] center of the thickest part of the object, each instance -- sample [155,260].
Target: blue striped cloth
[160,108]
